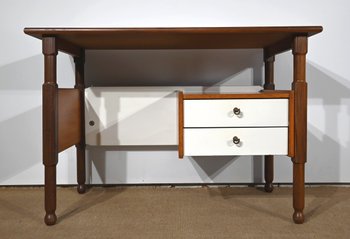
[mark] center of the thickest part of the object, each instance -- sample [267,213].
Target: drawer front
[220,113]
[219,141]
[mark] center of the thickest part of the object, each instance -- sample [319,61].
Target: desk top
[177,38]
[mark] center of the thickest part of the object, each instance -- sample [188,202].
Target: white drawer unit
[235,124]
[235,141]
[235,112]
[146,116]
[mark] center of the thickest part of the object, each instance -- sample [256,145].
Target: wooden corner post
[181,124]
[50,127]
[269,85]
[79,84]
[299,86]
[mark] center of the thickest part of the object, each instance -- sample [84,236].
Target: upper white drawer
[235,112]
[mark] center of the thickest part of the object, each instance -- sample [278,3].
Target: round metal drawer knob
[237,111]
[236,140]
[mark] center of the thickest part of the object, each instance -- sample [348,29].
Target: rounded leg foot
[50,219]
[268,187]
[298,217]
[81,188]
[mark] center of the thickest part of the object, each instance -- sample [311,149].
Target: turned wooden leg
[300,122]
[50,195]
[81,168]
[269,85]
[79,84]
[298,192]
[50,128]
[268,173]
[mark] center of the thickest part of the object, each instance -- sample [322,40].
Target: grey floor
[161,212]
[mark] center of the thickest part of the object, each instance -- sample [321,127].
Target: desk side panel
[69,118]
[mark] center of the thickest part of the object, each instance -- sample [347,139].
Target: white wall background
[21,76]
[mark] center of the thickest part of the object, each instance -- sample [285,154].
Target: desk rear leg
[79,84]
[81,168]
[269,85]
[268,173]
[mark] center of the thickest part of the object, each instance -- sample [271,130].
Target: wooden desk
[63,109]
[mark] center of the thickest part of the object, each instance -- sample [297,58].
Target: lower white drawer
[219,141]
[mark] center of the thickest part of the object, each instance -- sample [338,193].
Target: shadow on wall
[328,109]
[329,97]
[208,168]
[171,68]
[20,129]
[20,143]
[97,157]
[329,93]
[26,74]
[20,121]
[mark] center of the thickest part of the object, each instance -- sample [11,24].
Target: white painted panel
[131,116]
[138,115]
[219,113]
[218,141]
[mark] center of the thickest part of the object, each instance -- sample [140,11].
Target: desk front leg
[300,121]
[50,127]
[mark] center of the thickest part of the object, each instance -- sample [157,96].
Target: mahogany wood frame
[63,128]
